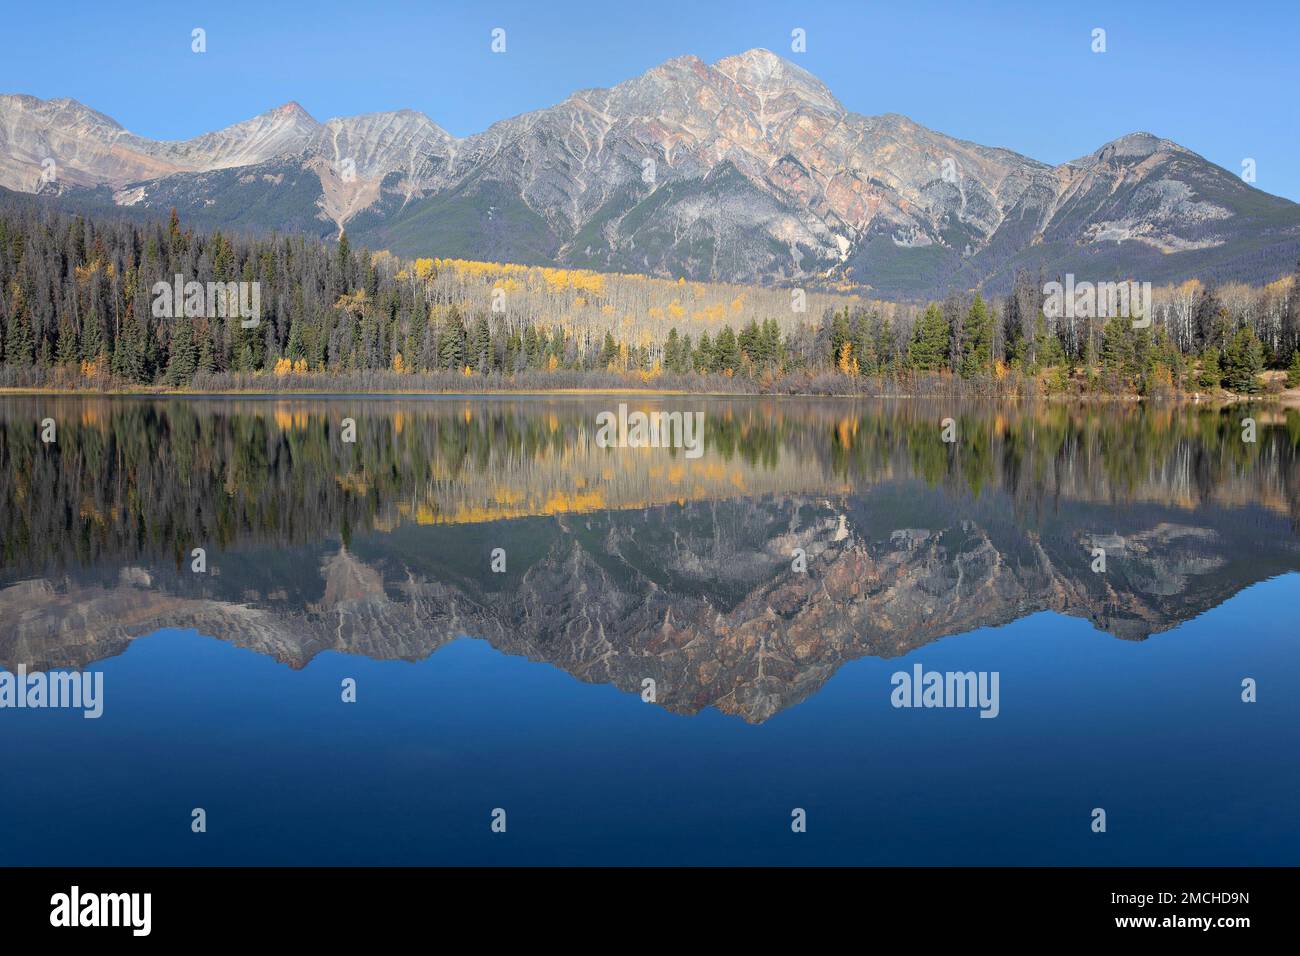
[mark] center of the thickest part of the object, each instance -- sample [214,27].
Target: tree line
[79,307]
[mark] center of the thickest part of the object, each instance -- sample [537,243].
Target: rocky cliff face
[747,169]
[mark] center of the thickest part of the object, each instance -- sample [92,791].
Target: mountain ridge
[745,170]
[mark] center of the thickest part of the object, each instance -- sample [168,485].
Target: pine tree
[1243,361]
[1116,353]
[66,352]
[532,351]
[1211,377]
[865,347]
[748,342]
[182,356]
[295,350]
[344,263]
[20,343]
[885,348]
[672,350]
[726,351]
[480,348]
[839,334]
[609,351]
[704,358]
[977,340]
[451,342]
[92,343]
[770,343]
[928,350]
[1047,351]
[207,360]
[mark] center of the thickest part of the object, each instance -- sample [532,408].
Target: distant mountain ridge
[744,170]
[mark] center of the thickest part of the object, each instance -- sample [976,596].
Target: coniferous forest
[79,309]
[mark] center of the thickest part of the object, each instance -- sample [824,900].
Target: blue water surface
[1154,732]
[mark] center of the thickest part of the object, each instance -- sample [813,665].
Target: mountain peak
[292,110]
[757,58]
[767,74]
[1137,145]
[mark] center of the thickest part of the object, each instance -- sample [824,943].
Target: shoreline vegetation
[90,307]
[484,389]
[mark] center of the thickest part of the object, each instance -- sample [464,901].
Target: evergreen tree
[532,348]
[92,343]
[182,355]
[451,342]
[748,341]
[1243,361]
[66,352]
[20,342]
[672,351]
[770,344]
[294,350]
[840,335]
[1211,377]
[207,360]
[481,345]
[1047,351]
[885,352]
[609,351]
[977,340]
[928,350]
[704,358]
[1116,353]
[726,350]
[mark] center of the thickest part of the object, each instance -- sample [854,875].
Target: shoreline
[1287,399]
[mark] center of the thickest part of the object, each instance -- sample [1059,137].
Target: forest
[79,309]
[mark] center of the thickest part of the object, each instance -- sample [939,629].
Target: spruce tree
[20,342]
[1211,376]
[182,355]
[66,351]
[726,350]
[977,340]
[704,359]
[672,350]
[928,351]
[1243,361]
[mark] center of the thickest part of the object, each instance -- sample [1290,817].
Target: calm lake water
[764,593]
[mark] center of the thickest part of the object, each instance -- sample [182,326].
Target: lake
[413,622]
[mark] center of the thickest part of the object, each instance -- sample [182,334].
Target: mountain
[748,170]
[89,148]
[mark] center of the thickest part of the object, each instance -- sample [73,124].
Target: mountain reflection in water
[625,564]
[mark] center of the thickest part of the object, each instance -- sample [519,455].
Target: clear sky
[1221,79]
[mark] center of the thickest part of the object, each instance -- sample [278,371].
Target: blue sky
[1220,79]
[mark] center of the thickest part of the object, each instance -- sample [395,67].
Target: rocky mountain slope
[748,169]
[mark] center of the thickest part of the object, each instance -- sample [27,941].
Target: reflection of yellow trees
[136,476]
